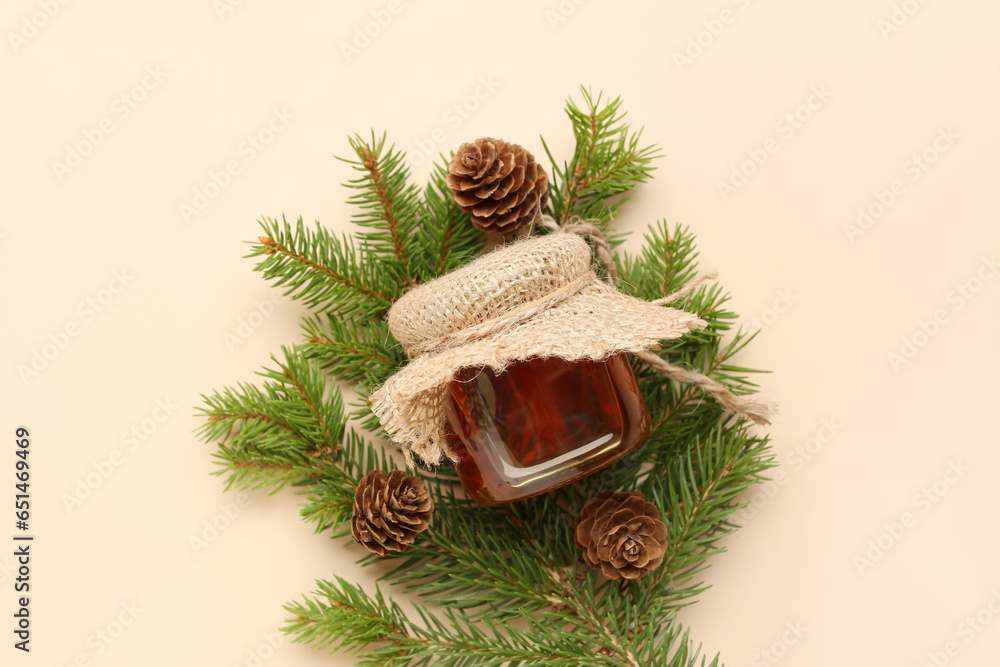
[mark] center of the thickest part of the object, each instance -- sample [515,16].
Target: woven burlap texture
[537,297]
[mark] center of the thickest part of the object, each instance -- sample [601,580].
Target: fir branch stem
[679,540]
[443,544]
[312,408]
[332,464]
[585,613]
[257,465]
[576,184]
[427,642]
[446,243]
[322,340]
[370,162]
[301,259]
[243,416]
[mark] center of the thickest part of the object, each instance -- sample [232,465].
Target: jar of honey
[517,369]
[541,423]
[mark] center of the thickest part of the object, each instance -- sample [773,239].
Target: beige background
[888,83]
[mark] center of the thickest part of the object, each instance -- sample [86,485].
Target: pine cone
[622,534]
[498,183]
[389,510]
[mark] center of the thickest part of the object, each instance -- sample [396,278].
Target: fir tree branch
[700,491]
[322,270]
[445,238]
[608,161]
[284,432]
[341,615]
[472,559]
[709,360]
[362,353]
[330,498]
[667,261]
[389,207]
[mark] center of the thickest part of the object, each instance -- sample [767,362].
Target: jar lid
[495,284]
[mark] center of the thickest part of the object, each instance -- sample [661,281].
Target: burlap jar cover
[538,297]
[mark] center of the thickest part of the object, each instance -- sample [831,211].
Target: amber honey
[542,423]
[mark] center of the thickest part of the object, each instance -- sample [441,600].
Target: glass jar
[542,423]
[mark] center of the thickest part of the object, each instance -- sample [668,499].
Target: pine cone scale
[487,208]
[461,184]
[503,188]
[488,189]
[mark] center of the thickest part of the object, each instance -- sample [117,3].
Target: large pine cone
[498,183]
[389,510]
[622,534]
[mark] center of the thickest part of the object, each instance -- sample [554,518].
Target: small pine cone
[498,183]
[389,510]
[622,534]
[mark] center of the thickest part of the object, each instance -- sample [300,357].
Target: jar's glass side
[542,423]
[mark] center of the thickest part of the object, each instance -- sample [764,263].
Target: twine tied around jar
[537,297]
